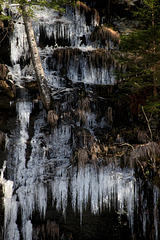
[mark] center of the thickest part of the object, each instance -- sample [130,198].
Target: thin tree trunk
[42,82]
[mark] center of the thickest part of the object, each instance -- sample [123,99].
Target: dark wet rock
[6,103]
[46,230]
[2,140]
[8,89]
[7,95]
[32,86]
[3,143]
[7,86]
[5,29]
[7,114]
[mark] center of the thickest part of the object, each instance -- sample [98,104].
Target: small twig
[142,168]
[4,36]
[147,123]
[127,144]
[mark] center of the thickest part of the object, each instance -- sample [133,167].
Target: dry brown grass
[83,6]
[86,9]
[52,118]
[146,151]
[104,33]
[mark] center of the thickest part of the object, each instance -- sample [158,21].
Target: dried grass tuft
[86,9]
[83,6]
[146,151]
[104,33]
[52,118]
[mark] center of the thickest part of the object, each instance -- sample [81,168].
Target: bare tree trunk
[42,82]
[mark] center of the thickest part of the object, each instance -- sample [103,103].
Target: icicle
[2,172]
[60,193]
[156,211]
[28,230]
[10,213]
[19,45]
[41,199]
[103,188]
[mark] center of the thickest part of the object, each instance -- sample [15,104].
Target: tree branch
[147,123]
